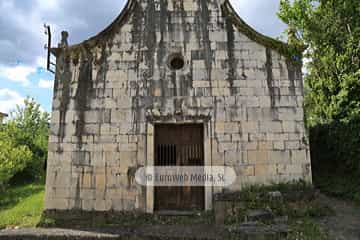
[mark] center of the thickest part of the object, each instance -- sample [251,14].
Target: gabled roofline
[3,114]
[108,31]
[283,48]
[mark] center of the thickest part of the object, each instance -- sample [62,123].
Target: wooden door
[179,145]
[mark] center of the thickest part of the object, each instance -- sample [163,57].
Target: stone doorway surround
[150,157]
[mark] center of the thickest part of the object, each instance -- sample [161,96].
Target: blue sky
[22,39]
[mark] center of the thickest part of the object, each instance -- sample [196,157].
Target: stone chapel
[173,82]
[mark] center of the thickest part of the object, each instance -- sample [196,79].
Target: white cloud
[41,62]
[47,5]
[18,73]
[236,4]
[45,83]
[261,15]
[9,99]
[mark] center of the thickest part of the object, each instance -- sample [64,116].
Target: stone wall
[111,88]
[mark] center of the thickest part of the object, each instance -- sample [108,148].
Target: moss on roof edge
[107,32]
[293,53]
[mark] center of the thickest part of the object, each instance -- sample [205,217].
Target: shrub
[26,135]
[335,153]
[12,159]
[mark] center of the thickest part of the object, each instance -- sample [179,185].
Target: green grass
[299,203]
[21,205]
[307,229]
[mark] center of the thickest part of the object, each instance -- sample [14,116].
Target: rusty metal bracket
[48,48]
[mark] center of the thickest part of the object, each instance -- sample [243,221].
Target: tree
[331,30]
[28,129]
[13,158]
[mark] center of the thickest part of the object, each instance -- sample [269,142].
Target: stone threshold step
[147,232]
[175,213]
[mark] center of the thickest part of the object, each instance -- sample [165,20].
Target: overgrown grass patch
[21,205]
[307,229]
[297,202]
[81,219]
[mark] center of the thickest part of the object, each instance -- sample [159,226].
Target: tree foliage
[24,140]
[13,158]
[331,30]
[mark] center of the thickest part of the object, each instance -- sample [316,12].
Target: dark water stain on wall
[148,40]
[291,76]
[164,16]
[232,61]
[136,24]
[77,194]
[63,78]
[136,111]
[137,32]
[295,75]
[150,35]
[269,76]
[137,21]
[166,29]
[243,75]
[186,32]
[138,35]
[202,19]
[83,89]
[173,79]
[103,66]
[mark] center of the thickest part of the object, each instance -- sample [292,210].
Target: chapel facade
[172,83]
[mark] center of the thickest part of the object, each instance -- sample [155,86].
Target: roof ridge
[291,52]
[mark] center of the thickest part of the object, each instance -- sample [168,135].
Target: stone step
[156,232]
[255,231]
[248,231]
[259,215]
[53,234]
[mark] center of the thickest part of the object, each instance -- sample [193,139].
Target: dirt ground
[145,232]
[345,224]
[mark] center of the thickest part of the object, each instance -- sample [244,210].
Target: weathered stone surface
[259,215]
[256,231]
[111,90]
